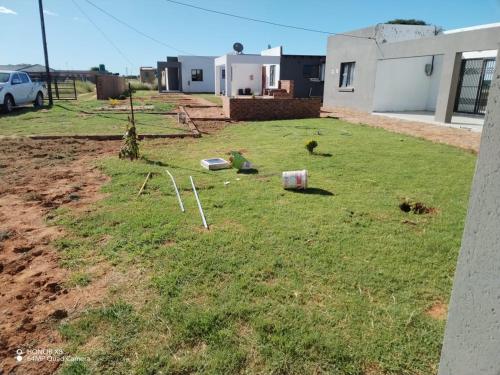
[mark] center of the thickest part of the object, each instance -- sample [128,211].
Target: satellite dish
[238,47]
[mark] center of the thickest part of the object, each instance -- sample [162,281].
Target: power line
[135,29]
[264,21]
[103,34]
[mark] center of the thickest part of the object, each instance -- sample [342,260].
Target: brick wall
[288,86]
[240,109]
[108,86]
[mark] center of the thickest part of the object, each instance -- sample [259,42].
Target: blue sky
[74,43]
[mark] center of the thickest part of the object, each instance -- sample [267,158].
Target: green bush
[137,85]
[311,145]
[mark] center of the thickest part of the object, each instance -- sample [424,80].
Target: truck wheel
[8,103]
[39,100]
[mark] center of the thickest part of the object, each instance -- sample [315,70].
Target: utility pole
[44,39]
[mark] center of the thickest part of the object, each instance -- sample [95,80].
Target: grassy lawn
[69,118]
[337,281]
[210,97]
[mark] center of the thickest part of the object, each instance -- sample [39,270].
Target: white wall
[276,51]
[206,63]
[246,76]
[238,76]
[402,85]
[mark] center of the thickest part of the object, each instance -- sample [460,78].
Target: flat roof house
[186,74]
[242,74]
[405,68]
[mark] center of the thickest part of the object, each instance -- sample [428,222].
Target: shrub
[130,146]
[113,102]
[311,145]
[83,87]
[137,85]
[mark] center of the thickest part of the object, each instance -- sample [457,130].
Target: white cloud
[4,10]
[49,13]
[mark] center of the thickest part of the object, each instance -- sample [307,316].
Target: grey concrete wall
[472,339]
[366,53]
[346,49]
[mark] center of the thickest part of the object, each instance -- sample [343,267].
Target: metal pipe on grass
[176,191]
[144,184]
[199,204]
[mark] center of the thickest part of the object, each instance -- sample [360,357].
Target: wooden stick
[176,191]
[199,204]
[144,184]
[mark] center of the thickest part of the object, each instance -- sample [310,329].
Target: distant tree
[401,21]
[94,69]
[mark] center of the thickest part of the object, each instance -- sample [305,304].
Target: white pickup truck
[16,88]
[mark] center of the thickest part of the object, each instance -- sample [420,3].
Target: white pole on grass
[199,204]
[176,191]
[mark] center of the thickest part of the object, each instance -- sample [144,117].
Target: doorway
[474,85]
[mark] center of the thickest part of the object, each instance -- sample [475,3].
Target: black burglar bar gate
[474,85]
[64,89]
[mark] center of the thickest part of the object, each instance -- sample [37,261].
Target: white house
[235,73]
[186,74]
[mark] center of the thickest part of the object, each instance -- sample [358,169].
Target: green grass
[83,87]
[210,97]
[284,282]
[69,118]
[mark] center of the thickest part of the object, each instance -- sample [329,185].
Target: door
[474,85]
[28,87]
[20,89]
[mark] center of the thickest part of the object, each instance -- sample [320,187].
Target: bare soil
[438,311]
[35,178]
[440,134]
[212,112]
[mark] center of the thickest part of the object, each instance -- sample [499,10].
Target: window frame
[346,77]
[313,73]
[196,75]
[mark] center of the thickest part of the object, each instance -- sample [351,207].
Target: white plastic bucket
[295,179]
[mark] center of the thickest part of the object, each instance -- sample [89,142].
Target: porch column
[448,87]
[217,80]
[229,78]
[472,338]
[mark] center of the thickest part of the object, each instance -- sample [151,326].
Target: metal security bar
[474,85]
[65,90]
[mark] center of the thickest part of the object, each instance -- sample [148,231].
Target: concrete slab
[458,121]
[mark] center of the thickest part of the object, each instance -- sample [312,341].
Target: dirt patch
[211,127]
[440,134]
[35,178]
[438,311]
[418,208]
[372,369]
[205,112]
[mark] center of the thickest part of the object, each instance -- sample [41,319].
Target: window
[4,77]
[346,74]
[223,73]
[15,79]
[310,71]
[196,75]
[272,75]
[24,78]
